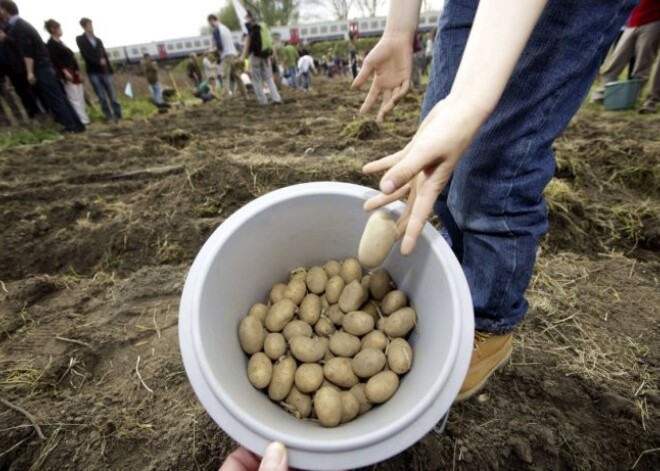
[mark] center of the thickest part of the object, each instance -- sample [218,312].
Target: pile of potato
[331,343]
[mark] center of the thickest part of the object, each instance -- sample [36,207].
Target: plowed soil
[98,230]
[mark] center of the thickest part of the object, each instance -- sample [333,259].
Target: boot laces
[480,337]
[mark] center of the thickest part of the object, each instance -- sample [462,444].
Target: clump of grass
[14,136]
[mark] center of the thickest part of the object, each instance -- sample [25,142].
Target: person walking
[67,68]
[99,70]
[640,40]
[290,61]
[40,72]
[306,67]
[230,64]
[150,70]
[482,155]
[260,67]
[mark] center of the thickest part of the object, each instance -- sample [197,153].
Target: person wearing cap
[67,68]
[99,70]
[40,71]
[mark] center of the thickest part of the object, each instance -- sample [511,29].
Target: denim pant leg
[52,94]
[495,203]
[293,77]
[109,85]
[257,69]
[156,93]
[99,88]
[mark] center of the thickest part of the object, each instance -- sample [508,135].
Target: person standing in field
[353,57]
[40,72]
[208,66]
[653,100]
[482,155]
[193,69]
[67,68]
[231,65]
[290,59]
[5,91]
[640,41]
[150,70]
[260,67]
[99,70]
[306,67]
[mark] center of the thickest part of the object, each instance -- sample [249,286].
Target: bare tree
[369,7]
[339,8]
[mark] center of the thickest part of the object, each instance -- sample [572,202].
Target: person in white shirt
[209,67]
[305,66]
[231,68]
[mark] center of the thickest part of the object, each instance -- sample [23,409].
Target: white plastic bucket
[258,246]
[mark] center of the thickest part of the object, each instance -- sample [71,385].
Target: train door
[294,36]
[354,29]
[162,51]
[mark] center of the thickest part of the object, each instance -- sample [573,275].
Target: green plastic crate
[622,95]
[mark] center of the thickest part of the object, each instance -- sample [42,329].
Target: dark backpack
[258,46]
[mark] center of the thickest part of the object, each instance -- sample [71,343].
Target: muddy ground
[97,232]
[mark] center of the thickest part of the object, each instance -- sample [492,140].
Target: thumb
[274,458]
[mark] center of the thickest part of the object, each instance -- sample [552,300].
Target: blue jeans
[52,95]
[293,76]
[493,211]
[156,93]
[105,89]
[305,80]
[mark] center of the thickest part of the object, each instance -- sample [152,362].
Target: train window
[364,25]
[179,46]
[144,49]
[433,19]
[170,47]
[135,51]
[374,24]
[324,29]
[198,44]
[344,28]
[188,44]
[207,42]
[333,28]
[314,30]
[115,54]
[383,23]
[303,31]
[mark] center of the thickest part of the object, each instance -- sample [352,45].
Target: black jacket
[93,55]
[62,57]
[28,43]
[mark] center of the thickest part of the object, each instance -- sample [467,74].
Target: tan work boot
[490,352]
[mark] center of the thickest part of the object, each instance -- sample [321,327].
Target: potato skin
[251,335]
[277,293]
[260,370]
[351,270]
[274,345]
[336,315]
[309,377]
[349,405]
[297,328]
[259,311]
[381,387]
[332,268]
[399,356]
[352,297]
[324,328]
[370,308]
[338,371]
[344,344]
[368,362]
[316,280]
[280,314]
[358,323]
[328,406]
[380,284]
[307,350]
[301,403]
[281,383]
[399,323]
[333,289]
[310,309]
[375,339]
[393,301]
[296,290]
[377,239]
[359,392]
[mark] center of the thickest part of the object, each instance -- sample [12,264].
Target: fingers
[363,75]
[383,200]
[387,98]
[418,156]
[385,163]
[425,198]
[371,98]
[240,460]
[275,458]
[388,105]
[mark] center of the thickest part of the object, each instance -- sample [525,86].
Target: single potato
[316,280]
[309,377]
[381,387]
[274,345]
[280,314]
[281,383]
[300,404]
[352,297]
[344,344]
[260,370]
[338,371]
[251,335]
[351,270]
[259,311]
[307,350]
[399,356]
[380,284]
[393,301]
[333,289]
[398,324]
[310,309]
[377,239]
[368,362]
[349,406]
[328,406]
[358,323]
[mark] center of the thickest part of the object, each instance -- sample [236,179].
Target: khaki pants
[76,95]
[641,43]
[232,70]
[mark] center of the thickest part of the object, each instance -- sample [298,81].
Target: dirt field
[98,231]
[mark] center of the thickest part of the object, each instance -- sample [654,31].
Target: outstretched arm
[499,33]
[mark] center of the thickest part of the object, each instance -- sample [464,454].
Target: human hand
[274,459]
[68,76]
[32,80]
[422,169]
[103,62]
[390,61]
[3,36]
